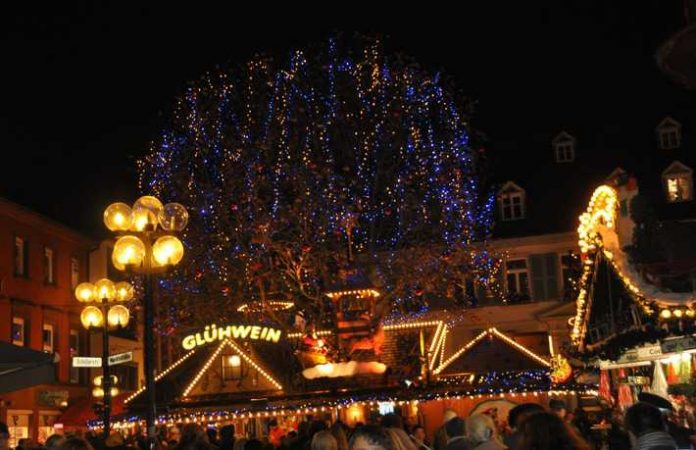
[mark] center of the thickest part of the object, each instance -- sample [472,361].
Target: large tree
[288,167]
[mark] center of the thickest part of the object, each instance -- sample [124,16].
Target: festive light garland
[161,375]
[274,155]
[212,359]
[490,332]
[259,306]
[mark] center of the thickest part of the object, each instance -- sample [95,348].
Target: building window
[517,277]
[48,338]
[544,275]
[18,336]
[49,266]
[74,351]
[668,134]
[678,182]
[565,152]
[231,368]
[21,257]
[512,206]
[564,147]
[74,272]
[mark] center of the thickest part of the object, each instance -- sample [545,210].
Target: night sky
[83,89]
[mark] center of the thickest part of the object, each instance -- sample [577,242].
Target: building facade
[41,261]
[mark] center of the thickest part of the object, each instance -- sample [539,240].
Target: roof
[490,351]
[556,194]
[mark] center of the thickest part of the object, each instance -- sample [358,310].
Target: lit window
[21,259]
[517,277]
[49,266]
[231,367]
[18,331]
[74,272]
[48,338]
[512,206]
[678,182]
[74,351]
[565,152]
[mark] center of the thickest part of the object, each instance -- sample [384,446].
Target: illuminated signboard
[213,333]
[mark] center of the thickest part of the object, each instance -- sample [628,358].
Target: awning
[22,367]
[80,412]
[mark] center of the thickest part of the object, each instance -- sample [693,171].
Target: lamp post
[146,245]
[109,314]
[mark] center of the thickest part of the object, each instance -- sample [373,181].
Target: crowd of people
[531,426]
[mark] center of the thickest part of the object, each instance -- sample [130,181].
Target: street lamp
[109,314]
[146,245]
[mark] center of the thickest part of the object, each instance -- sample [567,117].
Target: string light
[501,336]
[212,359]
[161,375]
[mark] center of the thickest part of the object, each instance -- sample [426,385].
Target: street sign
[83,361]
[120,358]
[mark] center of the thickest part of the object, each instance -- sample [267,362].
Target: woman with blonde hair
[324,440]
[482,433]
[400,440]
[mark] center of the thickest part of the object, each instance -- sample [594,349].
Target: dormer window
[677,180]
[564,147]
[668,134]
[511,200]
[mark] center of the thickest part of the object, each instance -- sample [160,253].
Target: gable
[677,168]
[212,378]
[667,123]
[563,136]
[510,187]
[491,351]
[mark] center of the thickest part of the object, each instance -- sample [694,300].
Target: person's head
[392,420]
[253,444]
[273,424]
[212,434]
[174,434]
[519,413]
[558,407]
[192,432]
[545,430]
[114,440]
[480,428]
[315,427]
[75,443]
[642,418]
[448,415]
[239,444]
[54,441]
[370,437]
[419,433]
[24,443]
[324,440]
[455,428]
[339,433]
[227,433]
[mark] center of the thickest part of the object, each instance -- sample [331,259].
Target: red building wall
[30,298]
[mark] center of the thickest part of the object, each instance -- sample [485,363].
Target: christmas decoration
[560,369]
[290,169]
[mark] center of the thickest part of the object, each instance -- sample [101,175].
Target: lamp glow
[85,292]
[167,250]
[118,316]
[124,291]
[146,211]
[234,361]
[105,289]
[91,316]
[128,251]
[118,217]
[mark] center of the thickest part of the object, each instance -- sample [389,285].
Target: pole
[106,375]
[151,411]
